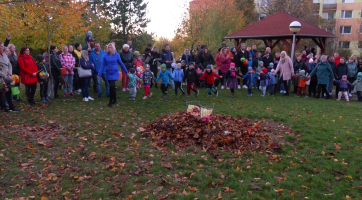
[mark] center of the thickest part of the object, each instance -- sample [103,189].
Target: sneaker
[249,95]
[350,95]
[222,87]
[281,92]
[306,97]
[90,98]
[72,94]
[76,92]
[164,96]
[5,110]
[239,87]
[127,89]
[150,95]
[14,110]
[228,88]
[197,93]
[188,96]
[66,95]
[124,89]
[208,95]
[262,95]
[43,100]
[85,99]
[145,97]
[232,95]
[47,99]
[79,90]
[133,99]
[284,91]
[217,93]
[244,86]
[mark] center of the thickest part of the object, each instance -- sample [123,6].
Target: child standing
[272,82]
[250,80]
[343,87]
[132,84]
[191,77]
[301,83]
[270,67]
[358,84]
[178,75]
[164,75]
[44,69]
[263,78]
[139,74]
[257,71]
[147,77]
[210,80]
[231,77]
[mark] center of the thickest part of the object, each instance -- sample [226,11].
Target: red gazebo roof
[277,26]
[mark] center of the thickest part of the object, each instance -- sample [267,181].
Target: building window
[344,45]
[328,15]
[347,1]
[346,30]
[346,14]
[262,16]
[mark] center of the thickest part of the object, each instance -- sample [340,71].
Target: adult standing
[68,62]
[298,65]
[200,51]
[242,66]
[267,59]
[206,58]
[187,56]
[147,53]
[28,72]
[334,68]
[110,63]
[155,58]
[90,45]
[256,61]
[337,58]
[285,66]
[341,70]
[86,65]
[352,74]
[6,70]
[253,52]
[167,59]
[76,80]
[225,65]
[131,47]
[323,71]
[56,65]
[128,61]
[14,63]
[96,59]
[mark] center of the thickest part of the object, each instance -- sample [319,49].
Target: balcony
[329,6]
[328,23]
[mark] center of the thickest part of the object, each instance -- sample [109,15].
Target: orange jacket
[231,56]
[301,81]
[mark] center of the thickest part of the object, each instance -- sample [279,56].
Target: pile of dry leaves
[228,133]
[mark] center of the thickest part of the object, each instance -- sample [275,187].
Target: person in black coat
[191,77]
[147,53]
[155,58]
[206,58]
[187,56]
[298,65]
[76,80]
[243,53]
[55,65]
[256,61]
[44,68]
[342,69]
[267,58]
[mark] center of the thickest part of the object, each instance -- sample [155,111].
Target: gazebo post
[236,43]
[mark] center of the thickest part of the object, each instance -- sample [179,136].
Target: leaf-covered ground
[71,149]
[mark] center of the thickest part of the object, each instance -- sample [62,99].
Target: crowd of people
[75,67]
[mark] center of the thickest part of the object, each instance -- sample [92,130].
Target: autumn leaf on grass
[167,165]
[219,195]
[192,189]
[185,193]
[162,197]
[278,190]
[337,147]
[51,121]
[254,186]
[227,189]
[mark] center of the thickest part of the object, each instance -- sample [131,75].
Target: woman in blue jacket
[110,63]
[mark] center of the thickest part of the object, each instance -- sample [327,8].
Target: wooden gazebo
[275,29]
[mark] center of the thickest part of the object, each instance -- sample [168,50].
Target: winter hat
[136,53]
[208,67]
[302,72]
[232,48]
[261,62]
[163,66]
[89,32]
[40,58]
[250,69]
[232,64]
[264,70]
[344,76]
[132,70]
[359,75]
[271,64]
[147,66]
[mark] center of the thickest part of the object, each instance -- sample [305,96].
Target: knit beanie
[359,75]
[232,48]
[302,72]
[40,58]
[250,69]
[208,67]
[163,66]
[132,70]
[271,64]
[261,63]
[232,64]
[136,53]
[264,70]
[344,76]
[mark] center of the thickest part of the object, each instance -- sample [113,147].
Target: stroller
[200,71]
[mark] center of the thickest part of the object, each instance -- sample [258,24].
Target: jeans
[44,89]
[330,85]
[250,89]
[285,83]
[69,80]
[132,92]
[211,87]
[30,92]
[171,81]
[85,86]
[99,85]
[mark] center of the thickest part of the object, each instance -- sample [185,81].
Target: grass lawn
[71,149]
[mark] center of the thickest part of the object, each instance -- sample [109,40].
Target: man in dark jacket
[90,45]
[131,47]
[243,67]
[167,59]
[342,69]
[55,66]
[256,60]
[267,58]
[147,53]
[199,54]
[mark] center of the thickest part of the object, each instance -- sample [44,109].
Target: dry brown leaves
[225,132]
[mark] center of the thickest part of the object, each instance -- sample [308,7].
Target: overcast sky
[165,16]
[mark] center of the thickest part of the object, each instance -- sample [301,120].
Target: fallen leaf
[255,186]
[167,165]
[219,195]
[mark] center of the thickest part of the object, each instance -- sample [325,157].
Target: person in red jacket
[28,73]
[337,58]
[209,76]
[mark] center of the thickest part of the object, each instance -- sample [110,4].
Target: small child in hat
[343,87]
[132,83]
[257,71]
[263,78]
[250,78]
[358,84]
[271,82]
[165,75]
[43,79]
[209,75]
[301,83]
[270,67]
[191,77]
[232,80]
[147,77]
